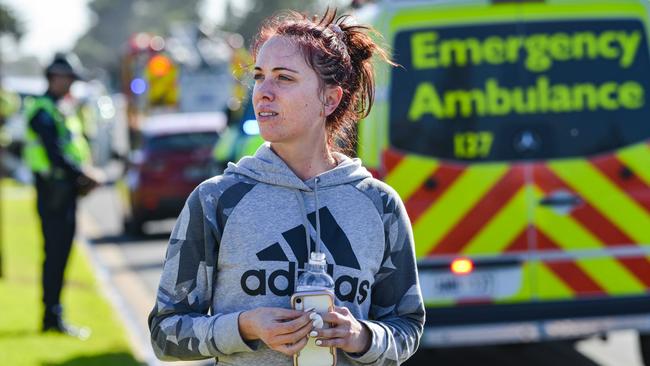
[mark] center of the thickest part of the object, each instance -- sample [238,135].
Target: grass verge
[21,342]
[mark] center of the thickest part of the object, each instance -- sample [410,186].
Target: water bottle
[315,292]
[315,278]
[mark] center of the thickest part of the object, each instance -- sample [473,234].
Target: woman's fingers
[285,314]
[333,317]
[342,310]
[338,332]
[346,332]
[292,349]
[295,336]
[293,325]
[331,342]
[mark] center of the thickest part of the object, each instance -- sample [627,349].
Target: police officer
[57,155]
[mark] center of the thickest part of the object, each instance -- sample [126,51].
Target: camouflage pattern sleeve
[180,323]
[397,315]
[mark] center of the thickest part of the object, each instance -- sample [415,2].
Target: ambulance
[518,135]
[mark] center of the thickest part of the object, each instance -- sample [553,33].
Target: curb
[137,338]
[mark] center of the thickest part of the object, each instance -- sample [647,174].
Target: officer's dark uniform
[56,163]
[57,205]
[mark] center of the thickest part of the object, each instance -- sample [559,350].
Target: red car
[174,157]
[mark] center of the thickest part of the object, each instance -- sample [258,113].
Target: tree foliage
[116,20]
[9,24]
[258,10]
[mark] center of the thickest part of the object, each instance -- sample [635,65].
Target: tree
[9,24]
[116,20]
[258,10]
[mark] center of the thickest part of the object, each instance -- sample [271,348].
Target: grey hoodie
[242,238]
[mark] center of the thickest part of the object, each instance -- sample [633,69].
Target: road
[130,270]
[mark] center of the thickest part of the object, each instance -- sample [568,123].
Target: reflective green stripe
[410,174]
[637,158]
[607,198]
[570,235]
[564,230]
[454,204]
[503,227]
[367,148]
[613,277]
[487,13]
[549,286]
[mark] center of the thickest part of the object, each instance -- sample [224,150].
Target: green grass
[21,342]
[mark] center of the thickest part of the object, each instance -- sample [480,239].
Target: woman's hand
[346,332]
[282,330]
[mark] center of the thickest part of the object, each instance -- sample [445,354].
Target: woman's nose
[264,90]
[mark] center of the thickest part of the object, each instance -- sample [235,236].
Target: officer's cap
[67,65]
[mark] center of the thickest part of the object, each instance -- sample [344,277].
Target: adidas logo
[281,282]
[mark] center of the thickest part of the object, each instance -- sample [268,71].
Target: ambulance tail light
[462,266]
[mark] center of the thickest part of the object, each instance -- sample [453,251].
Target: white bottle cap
[317,258]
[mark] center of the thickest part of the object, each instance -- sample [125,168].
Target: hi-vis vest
[69,132]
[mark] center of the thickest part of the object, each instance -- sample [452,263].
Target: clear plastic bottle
[315,278]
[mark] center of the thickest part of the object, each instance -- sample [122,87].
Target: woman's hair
[340,54]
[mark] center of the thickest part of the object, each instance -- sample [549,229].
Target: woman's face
[286,96]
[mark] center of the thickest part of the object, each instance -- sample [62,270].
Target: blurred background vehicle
[185,72]
[178,92]
[174,157]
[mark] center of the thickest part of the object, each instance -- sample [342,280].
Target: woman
[242,237]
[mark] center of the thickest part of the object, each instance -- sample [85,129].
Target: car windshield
[533,90]
[182,141]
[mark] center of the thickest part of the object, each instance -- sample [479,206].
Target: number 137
[472,145]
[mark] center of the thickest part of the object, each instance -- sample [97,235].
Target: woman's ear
[333,96]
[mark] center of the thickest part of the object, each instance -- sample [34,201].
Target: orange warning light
[462,266]
[159,65]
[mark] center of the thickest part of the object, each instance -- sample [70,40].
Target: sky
[38,15]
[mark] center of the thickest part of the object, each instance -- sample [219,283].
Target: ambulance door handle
[561,200]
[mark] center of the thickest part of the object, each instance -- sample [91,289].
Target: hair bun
[359,47]
[337,30]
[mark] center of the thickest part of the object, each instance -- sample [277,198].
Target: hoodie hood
[267,167]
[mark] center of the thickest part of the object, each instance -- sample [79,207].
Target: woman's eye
[285,78]
[258,77]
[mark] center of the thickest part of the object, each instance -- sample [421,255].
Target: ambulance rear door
[587,133]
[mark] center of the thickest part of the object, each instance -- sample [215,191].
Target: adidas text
[258,282]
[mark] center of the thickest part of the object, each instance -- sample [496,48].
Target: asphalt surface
[130,268]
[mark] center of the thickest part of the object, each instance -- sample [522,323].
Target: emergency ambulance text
[542,97]
[538,50]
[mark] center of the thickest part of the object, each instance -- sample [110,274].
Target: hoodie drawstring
[317,215]
[305,221]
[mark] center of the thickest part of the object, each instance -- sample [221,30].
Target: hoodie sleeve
[180,323]
[396,317]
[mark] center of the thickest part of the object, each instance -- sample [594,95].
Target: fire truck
[187,71]
[517,135]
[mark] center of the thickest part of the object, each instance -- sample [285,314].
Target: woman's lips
[266,115]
